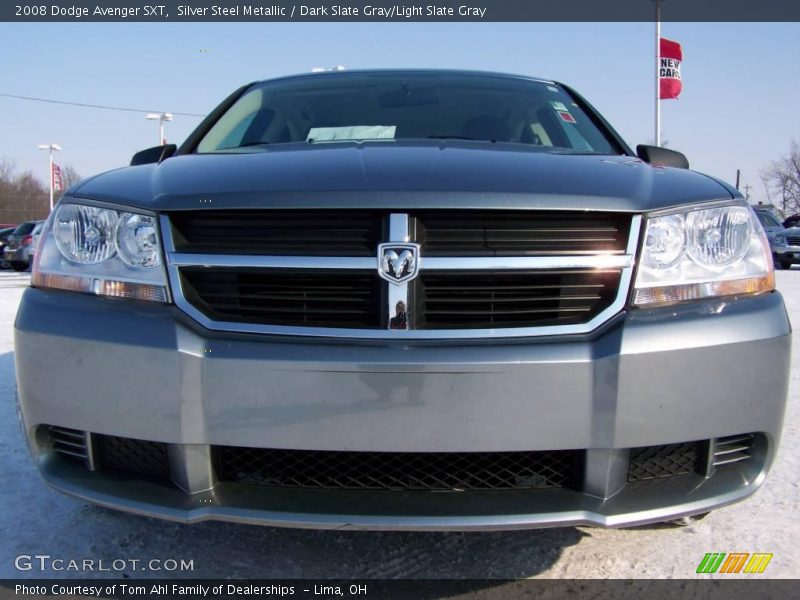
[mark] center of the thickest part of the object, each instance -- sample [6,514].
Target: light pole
[50,148]
[161,118]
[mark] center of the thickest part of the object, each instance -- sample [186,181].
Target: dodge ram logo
[398,262]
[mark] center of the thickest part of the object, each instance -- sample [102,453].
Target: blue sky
[738,109]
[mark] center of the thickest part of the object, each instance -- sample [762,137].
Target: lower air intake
[72,444]
[655,462]
[397,470]
[133,456]
[732,449]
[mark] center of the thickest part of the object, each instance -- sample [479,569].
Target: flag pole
[658,72]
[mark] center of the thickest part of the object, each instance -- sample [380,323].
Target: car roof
[411,71]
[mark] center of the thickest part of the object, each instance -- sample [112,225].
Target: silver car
[404,300]
[786,247]
[20,246]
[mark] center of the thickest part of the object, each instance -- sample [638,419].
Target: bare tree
[22,196]
[781,181]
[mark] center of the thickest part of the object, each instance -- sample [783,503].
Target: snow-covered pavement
[37,520]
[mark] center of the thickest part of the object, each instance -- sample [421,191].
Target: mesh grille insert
[654,462]
[127,454]
[397,470]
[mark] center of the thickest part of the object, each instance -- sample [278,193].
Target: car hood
[402,176]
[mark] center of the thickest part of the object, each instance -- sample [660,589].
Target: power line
[84,105]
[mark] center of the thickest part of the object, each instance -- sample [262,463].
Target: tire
[785,264]
[19,266]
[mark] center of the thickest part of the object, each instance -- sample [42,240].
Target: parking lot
[36,520]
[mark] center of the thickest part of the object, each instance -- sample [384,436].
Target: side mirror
[655,155]
[153,155]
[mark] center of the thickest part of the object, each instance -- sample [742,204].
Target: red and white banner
[669,69]
[56,175]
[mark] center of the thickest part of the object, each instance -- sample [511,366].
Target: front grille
[69,443]
[489,299]
[397,470]
[655,462]
[288,233]
[478,270]
[732,449]
[519,233]
[299,298]
[793,240]
[130,455]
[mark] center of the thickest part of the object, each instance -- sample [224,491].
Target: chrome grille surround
[399,231]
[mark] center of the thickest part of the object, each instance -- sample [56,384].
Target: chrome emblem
[398,262]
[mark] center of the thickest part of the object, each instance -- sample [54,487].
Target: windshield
[767,220]
[398,106]
[25,228]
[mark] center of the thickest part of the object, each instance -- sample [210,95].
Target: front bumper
[789,253]
[695,372]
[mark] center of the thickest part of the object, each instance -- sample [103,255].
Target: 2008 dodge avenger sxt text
[404,300]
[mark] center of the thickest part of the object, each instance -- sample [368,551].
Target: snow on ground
[37,520]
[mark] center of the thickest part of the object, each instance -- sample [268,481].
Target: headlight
[101,251]
[780,240]
[702,253]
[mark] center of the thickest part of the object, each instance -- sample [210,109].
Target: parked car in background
[4,233]
[35,241]
[770,223]
[786,248]
[791,221]
[18,251]
[773,228]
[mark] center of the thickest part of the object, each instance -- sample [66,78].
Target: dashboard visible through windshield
[407,106]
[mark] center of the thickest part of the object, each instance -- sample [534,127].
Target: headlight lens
[85,234]
[780,240]
[719,237]
[101,251]
[703,253]
[137,241]
[665,242]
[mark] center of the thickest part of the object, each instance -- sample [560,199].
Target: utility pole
[738,175]
[50,148]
